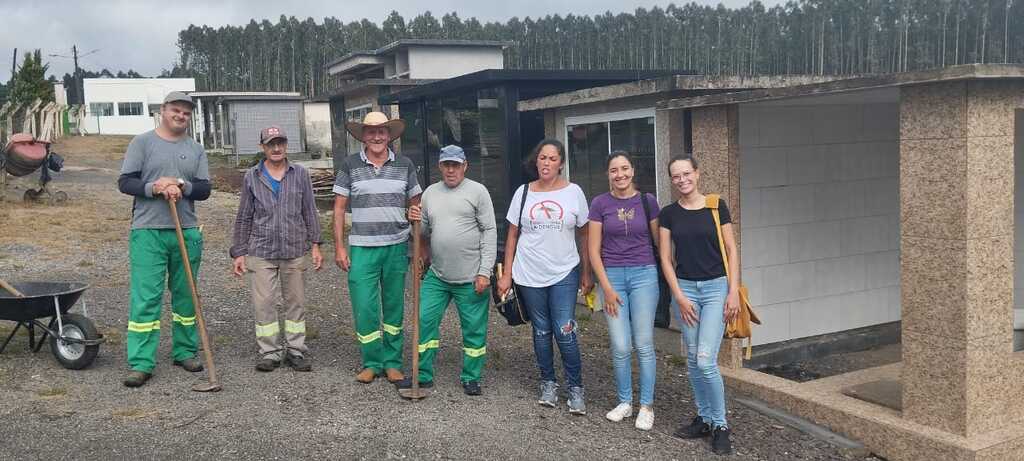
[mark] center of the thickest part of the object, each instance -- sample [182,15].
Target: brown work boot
[366,376]
[394,375]
[136,378]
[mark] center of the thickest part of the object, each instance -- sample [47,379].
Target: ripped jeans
[553,314]
[702,342]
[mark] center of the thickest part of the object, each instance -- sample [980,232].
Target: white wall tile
[853,203]
[835,124]
[806,165]
[828,277]
[881,196]
[775,323]
[750,213]
[865,235]
[763,166]
[753,278]
[788,282]
[800,203]
[894,303]
[766,246]
[814,316]
[883,269]
[814,240]
[881,122]
[830,201]
[854,310]
[784,126]
[749,124]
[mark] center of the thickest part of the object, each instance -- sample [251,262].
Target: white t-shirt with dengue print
[547,251]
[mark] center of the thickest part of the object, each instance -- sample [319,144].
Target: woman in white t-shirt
[545,267]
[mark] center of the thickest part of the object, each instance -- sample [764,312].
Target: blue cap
[452,153]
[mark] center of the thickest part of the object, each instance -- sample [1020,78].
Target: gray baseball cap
[178,96]
[452,153]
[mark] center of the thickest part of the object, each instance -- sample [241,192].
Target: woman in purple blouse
[623,258]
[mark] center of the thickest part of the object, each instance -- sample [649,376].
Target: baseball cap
[271,133]
[178,96]
[452,153]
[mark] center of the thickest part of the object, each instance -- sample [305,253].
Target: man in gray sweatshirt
[460,246]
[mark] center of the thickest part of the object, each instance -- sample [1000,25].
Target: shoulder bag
[738,327]
[510,305]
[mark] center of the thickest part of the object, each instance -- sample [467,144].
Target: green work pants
[376,287]
[155,261]
[435,295]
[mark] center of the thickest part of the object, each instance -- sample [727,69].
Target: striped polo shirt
[378,198]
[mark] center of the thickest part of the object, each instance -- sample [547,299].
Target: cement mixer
[23,155]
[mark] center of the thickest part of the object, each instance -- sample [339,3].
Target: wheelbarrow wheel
[59,197]
[75,356]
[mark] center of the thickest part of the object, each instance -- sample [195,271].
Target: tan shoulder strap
[711,201]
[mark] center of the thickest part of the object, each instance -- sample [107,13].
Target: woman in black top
[704,297]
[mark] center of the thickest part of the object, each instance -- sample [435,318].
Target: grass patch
[585,317]
[312,333]
[221,340]
[132,413]
[52,392]
[676,360]
[85,263]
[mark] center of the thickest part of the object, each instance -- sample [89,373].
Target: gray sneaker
[548,394]
[576,405]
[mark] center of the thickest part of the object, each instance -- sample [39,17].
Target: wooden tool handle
[10,288]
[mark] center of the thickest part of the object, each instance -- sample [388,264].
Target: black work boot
[720,443]
[472,388]
[190,364]
[298,363]
[695,430]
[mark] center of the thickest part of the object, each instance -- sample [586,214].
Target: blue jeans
[702,342]
[553,313]
[637,287]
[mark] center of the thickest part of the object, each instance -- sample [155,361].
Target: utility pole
[14,64]
[79,89]
[80,98]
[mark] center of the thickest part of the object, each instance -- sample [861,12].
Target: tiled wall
[820,192]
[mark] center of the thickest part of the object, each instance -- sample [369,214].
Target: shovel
[414,392]
[212,385]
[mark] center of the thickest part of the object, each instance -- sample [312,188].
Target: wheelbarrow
[73,338]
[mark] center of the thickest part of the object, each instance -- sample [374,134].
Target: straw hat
[395,127]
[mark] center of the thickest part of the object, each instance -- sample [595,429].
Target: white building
[127,106]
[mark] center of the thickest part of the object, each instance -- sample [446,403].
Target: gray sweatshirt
[460,225]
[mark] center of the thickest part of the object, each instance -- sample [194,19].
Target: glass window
[636,136]
[129,108]
[474,121]
[590,144]
[154,109]
[101,109]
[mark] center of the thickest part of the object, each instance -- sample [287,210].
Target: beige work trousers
[276,282]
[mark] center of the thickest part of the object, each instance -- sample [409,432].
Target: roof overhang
[675,83]
[356,64]
[540,82]
[946,74]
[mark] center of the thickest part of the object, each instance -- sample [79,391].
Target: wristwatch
[181,182]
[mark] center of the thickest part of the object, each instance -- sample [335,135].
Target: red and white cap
[271,133]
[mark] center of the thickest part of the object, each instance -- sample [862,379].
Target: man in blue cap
[460,246]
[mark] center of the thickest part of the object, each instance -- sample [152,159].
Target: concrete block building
[874,199]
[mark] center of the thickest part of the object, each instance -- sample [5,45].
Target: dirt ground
[53,413]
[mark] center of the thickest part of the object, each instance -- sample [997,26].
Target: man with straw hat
[378,185]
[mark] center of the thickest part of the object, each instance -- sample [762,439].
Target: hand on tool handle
[170,188]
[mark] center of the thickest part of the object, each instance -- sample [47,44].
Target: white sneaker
[645,419]
[623,411]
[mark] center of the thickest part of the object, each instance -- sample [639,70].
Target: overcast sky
[141,34]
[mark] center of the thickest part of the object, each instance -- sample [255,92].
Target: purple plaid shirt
[282,227]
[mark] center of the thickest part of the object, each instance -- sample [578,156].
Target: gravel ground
[49,412]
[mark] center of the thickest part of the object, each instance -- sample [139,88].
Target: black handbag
[661,315]
[512,306]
